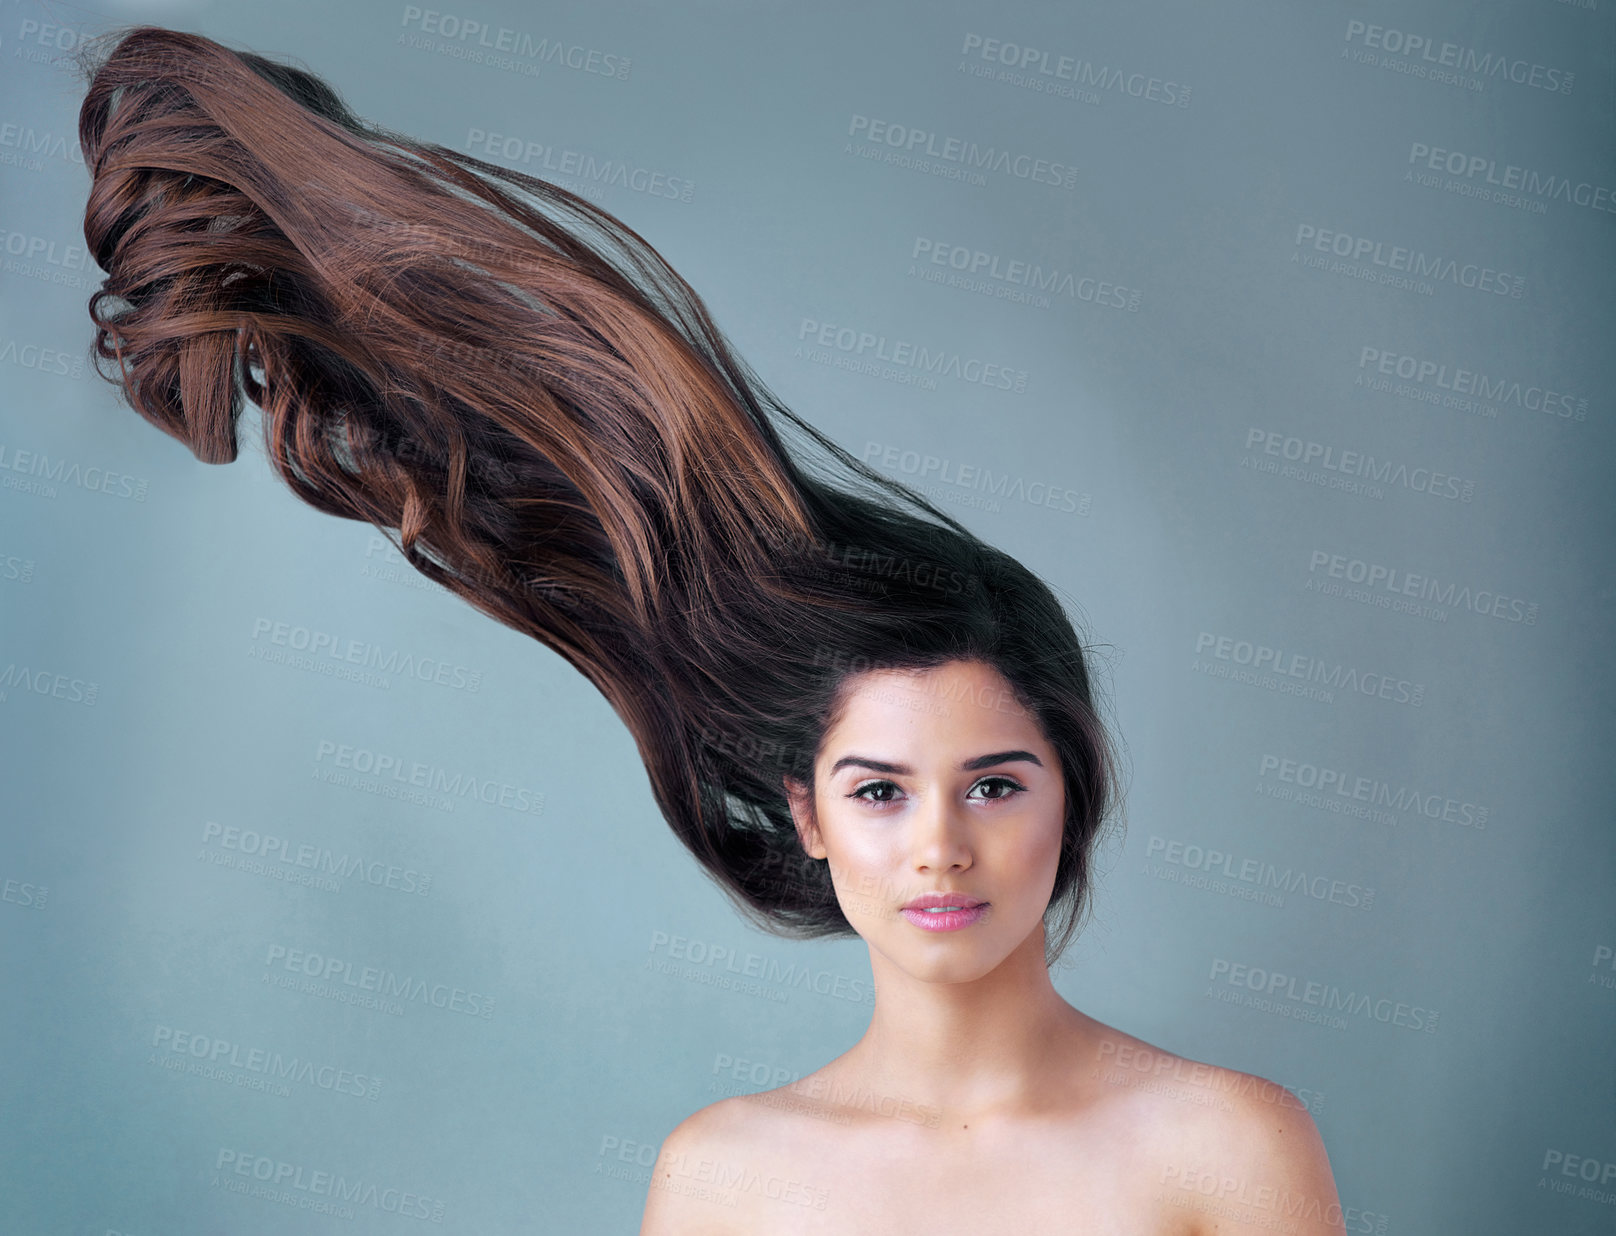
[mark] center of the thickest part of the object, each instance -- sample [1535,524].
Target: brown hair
[520,385]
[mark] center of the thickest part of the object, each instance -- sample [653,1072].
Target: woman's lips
[944,912]
[942,897]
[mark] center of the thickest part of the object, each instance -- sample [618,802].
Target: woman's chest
[1032,1187]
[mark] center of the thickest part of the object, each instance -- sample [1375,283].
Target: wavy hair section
[518,384]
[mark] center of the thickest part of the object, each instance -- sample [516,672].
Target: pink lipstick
[944,911]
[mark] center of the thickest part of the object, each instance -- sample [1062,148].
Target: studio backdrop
[1278,338]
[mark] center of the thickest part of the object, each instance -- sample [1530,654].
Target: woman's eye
[994,789]
[886,791]
[1005,787]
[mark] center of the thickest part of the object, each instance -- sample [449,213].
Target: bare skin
[978,1099]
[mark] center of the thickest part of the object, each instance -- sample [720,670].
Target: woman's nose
[940,839]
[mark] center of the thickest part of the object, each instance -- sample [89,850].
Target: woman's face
[937,782]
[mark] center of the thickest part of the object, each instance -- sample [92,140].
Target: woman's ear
[802,815]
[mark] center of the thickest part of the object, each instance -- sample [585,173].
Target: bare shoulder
[1231,1151]
[1271,1162]
[708,1168]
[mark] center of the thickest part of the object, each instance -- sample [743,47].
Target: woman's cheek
[1029,851]
[866,871]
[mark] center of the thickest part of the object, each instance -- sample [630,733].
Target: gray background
[153,704]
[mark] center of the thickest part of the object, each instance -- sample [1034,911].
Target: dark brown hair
[543,409]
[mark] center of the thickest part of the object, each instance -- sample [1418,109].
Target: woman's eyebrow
[903,770]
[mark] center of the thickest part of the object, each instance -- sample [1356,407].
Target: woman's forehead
[958,707]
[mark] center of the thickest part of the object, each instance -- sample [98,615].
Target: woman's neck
[1002,1044]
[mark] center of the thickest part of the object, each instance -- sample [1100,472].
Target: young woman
[856,715]
[978,1100]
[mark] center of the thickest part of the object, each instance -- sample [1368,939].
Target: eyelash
[1014,785]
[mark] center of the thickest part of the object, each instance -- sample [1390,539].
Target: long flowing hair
[519,386]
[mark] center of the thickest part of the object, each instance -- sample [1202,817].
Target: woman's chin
[955,962]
